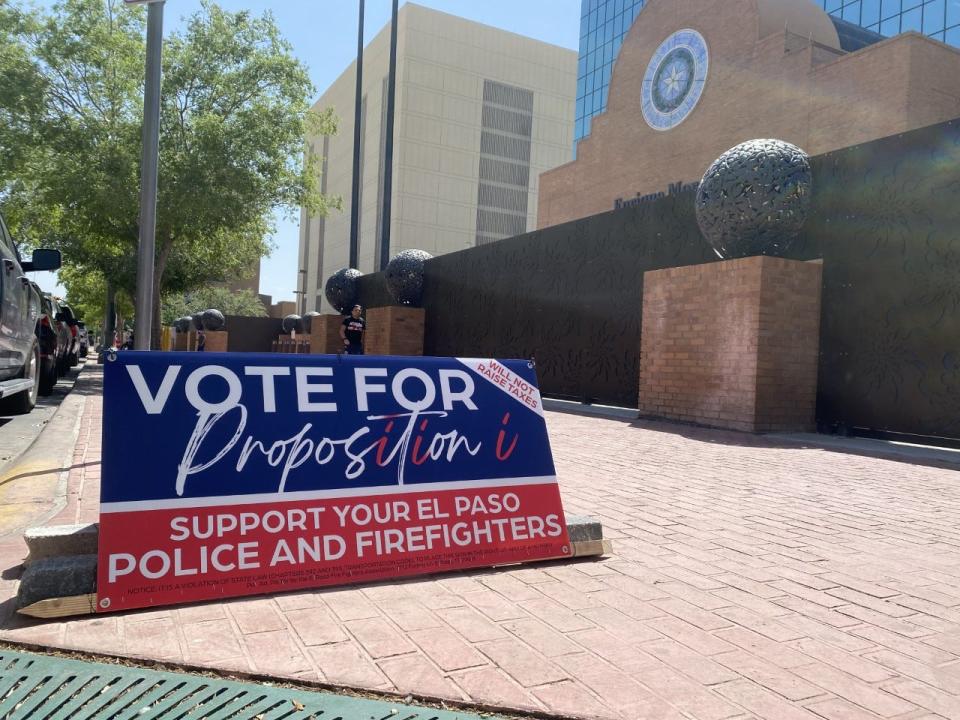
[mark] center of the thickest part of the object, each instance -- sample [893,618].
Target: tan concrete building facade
[776,69]
[480,113]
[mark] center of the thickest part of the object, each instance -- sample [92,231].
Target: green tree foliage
[87,295]
[235,115]
[229,302]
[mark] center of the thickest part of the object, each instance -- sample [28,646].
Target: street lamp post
[302,290]
[388,147]
[148,174]
[357,117]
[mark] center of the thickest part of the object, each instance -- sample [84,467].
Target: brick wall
[216,341]
[325,334]
[394,330]
[732,344]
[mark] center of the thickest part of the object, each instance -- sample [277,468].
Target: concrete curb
[867,447]
[881,449]
[576,408]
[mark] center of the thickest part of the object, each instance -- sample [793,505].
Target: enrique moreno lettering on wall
[233,474]
[676,188]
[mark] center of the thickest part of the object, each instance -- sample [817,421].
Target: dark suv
[19,314]
[52,344]
[67,316]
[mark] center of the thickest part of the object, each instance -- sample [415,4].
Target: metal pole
[148,178]
[355,197]
[109,320]
[301,291]
[388,144]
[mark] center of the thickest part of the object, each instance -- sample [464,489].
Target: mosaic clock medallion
[674,80]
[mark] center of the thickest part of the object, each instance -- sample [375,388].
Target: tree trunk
[158,270]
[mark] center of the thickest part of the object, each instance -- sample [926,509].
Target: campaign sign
[237,474]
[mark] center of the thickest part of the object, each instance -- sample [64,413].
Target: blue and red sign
[237,474]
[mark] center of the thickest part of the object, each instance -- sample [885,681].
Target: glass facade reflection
[604,23]
[940,19]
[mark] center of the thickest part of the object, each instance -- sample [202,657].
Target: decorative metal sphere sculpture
[404,276]
[308,320]
[754,199]
[343,289]
[197,321]
[212,320]
[182,324]
[291,323]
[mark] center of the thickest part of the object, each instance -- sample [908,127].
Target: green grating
[39,687]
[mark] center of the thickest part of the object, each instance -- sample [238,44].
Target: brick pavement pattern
[747,581]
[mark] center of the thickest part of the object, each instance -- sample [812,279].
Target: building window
[504,180]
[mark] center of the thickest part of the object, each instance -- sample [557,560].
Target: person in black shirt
[351,331]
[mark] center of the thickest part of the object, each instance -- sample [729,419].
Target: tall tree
[234,119]
[87,293]
[230,302]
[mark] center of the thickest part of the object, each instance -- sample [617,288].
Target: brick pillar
[216,341]
[394,330]
[732,344]
[325,334]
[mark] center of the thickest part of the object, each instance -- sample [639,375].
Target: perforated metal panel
[39,687]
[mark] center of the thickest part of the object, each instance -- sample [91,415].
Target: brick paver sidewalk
[748,580]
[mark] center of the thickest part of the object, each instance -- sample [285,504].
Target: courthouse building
[693,78]
[480,113]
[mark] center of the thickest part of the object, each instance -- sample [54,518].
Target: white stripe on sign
[172,504]
[502,378]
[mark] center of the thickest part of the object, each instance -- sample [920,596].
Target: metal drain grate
[38,687]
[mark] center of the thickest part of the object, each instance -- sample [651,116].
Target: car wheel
[74,360]
[24,402]
[48,376]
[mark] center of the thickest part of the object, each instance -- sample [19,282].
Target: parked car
[67,315]
[64,336]
[53,345]
[19,313]
[84,338]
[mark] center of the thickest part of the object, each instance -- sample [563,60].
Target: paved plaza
[748,580]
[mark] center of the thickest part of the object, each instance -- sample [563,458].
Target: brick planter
[732,344]
[394,330]
[325,334]
[216,341]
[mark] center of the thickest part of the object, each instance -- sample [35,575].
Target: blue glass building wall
[603,24]
[940,19]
